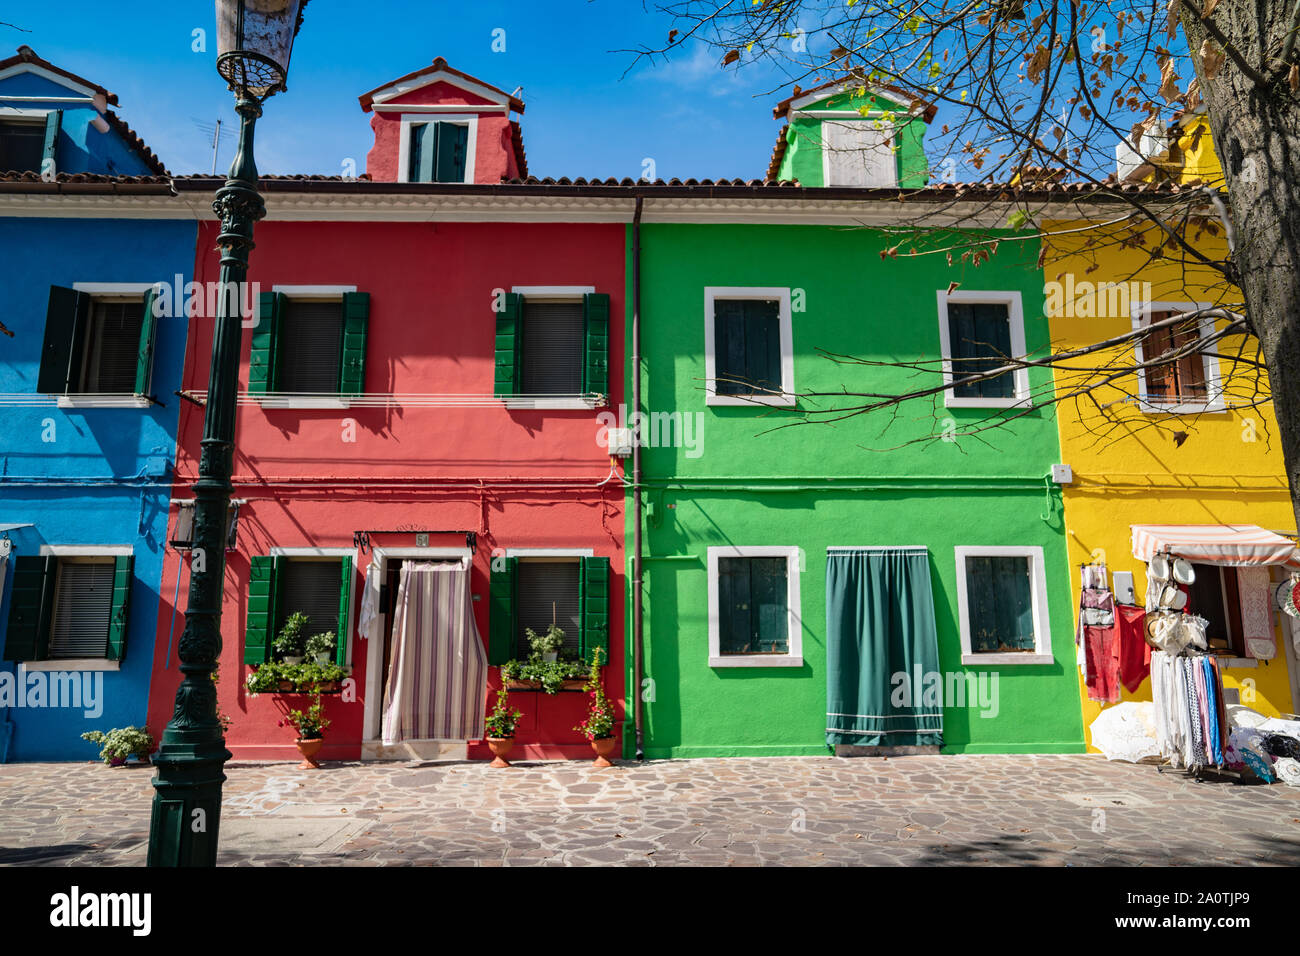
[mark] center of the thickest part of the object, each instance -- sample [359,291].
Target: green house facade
[815,583]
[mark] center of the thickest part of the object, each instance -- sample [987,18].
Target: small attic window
[859,152]
[22,144]
[439,151]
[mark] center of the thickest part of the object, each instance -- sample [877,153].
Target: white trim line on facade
[1016,318]
[125,400]
[550,552]
[794,628]
[73,664]
[432,108]
[440,76]
[552,291]
[1140,315]
[1042,653]
[86,550]
[114,288]
[22,112]
[372,715]
[407,120]
[782,294]
[57,80]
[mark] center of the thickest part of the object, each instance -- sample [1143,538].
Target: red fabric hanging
[1134,652]
[1102,647]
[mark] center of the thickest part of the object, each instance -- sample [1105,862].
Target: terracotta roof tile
[136,144]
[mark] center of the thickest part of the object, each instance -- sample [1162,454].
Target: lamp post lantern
[254,40]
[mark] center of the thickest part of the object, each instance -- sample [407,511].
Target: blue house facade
[88,368]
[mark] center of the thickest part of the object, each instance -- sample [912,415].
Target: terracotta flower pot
[500,746]
[604,746]
[117,762]
[309,749]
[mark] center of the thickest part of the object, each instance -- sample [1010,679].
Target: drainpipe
[637,636]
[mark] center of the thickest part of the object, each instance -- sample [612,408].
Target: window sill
[103,401]
[1180,408]
[760,401]
[303,402]
[757,660]
[1007,658]
[74,664]
[952,401]
[554,402]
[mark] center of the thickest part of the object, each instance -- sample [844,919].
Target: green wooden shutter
[356,318]
[259,629]
[594,601]
[144,357]
[763,344]
[262,356]
[50,154]
[344,631]
[501,612]
[119,618]
[65,333]
[595,366]
[31,604]
[509,336]
[423,150]
[453,142]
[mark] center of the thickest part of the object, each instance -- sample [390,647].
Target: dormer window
[22,145]
[859,152]
[438,152]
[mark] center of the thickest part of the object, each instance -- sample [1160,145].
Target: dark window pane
[423,151]
[453,139]
[83,604]
[22,147]
[311,346]
[979,338]
[747,346]
[552,348]
[753,611]
[547,591]
[312,587]
[1000,603]
[112,346]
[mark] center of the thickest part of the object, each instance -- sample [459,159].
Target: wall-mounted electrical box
[619,441]
[1062,474]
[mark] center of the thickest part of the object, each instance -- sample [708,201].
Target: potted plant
[320,647]
[291,642]
[120,743]
[546,645]
[501,729]
[310,725]
[599,725]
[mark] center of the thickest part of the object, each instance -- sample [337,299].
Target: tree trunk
[1257,137]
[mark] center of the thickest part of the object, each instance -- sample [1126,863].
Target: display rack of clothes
[1112,649]
[1190,711]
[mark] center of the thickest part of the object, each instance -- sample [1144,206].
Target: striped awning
[1236,545]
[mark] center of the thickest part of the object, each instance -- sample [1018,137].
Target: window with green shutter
[22,143]
[69,608]
[753,605]
[528,592]
[552,345]
[439,152]
[1000,603]
[279,586]
[309,346]
[97,344]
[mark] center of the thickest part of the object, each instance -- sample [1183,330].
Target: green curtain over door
[880,623]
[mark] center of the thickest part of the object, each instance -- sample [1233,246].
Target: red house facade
[421,386]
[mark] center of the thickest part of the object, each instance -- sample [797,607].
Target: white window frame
[1141,317]
[404,141]
[354,610]
[80,551]
[1042,652]
[328,293]
[1015,315]
[842,117]
[782,294]
[793,559]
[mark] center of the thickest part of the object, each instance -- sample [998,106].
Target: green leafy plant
[292,639]
[502,720]
[319,644]
[600,712]
[311,723]
[550,674]
[121,742]
[548,643]
[307,677]
[265,679]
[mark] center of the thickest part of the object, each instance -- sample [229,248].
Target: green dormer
[843,134]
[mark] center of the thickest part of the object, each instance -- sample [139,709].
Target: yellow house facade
[1136,463]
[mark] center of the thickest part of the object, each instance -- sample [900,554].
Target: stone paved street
[1042,810]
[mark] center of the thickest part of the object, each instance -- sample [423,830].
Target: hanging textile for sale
[1098,634]
[437,679]
[1189,713]
[1134,651]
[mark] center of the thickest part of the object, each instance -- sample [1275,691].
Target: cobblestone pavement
[1040,810]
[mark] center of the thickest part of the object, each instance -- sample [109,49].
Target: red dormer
[441,125]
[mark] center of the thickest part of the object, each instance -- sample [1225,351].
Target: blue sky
[583,117]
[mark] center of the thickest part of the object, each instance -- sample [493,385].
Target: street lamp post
[254,39]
